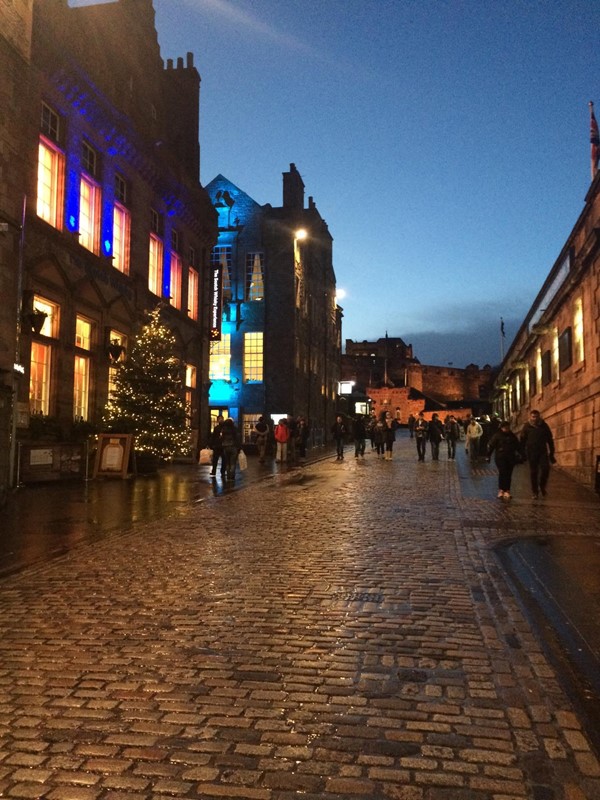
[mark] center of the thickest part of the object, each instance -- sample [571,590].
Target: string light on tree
[148,399]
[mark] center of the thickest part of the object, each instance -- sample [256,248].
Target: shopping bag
[242,460]
[206,455]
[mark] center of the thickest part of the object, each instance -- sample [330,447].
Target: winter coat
[436,431]
[537,439]
[282,432]
[505,446]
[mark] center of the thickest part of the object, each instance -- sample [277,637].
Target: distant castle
[387,372]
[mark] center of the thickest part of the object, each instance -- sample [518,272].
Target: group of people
[535,444]
[288,439]
[381,430]
[435,431]
[225,442]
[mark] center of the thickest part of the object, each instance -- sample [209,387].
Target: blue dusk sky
[445,143]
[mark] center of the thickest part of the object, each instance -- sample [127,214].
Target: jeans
[359,447]
[539,470]
[421,447]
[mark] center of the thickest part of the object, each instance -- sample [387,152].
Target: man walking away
[338,429]
[359,434]
[421,433]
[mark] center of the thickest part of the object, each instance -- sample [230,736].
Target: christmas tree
[148,398]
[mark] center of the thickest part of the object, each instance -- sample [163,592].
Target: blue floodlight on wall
[107,230]
[72,200]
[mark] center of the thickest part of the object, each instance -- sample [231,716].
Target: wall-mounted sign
[216,302]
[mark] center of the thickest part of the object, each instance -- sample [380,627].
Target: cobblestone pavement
[339,632]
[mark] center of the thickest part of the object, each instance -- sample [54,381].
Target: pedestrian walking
[261,435]
[232,444]
[371,428]
[338,429]
[302,435]
[538,444]
[451,435]
[474,433]
[359,435]
[390,435]
[411,425]
[379,432]
[216,445]
[421,429]
[293,438]
[506,449]
[435,434]
[282,436]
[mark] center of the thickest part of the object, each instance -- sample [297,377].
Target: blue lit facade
[278,293]
[97,74]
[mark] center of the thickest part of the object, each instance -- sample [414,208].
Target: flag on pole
[502,334]
[594,141]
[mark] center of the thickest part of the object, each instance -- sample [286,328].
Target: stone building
[277,343]
[394,380]
[116,219]
[15,53]
[553,364]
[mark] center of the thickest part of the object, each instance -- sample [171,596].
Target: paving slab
[340,631]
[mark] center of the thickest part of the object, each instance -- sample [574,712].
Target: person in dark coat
[421,429]
[538,444]
[232,444]
[359,434]
[390,434]
[338,429]
[451,435]
[506,448]
[435,434]
[215,444]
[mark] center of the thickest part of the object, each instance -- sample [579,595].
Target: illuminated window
[116,351]
[221,255]
[175,288]
[89,214]
[155,261]
[193,287]
[81,387]
[248,423]
[190,385]
[255,287]
[220,359]
[253,357]
[51,320]
[555,355]
[50,183]
[578,351]
[121,238]
[83,333]
[39,378]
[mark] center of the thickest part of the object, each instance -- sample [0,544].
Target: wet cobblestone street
[342,631]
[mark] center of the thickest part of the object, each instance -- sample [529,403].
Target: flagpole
[594,141]
[501,340]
